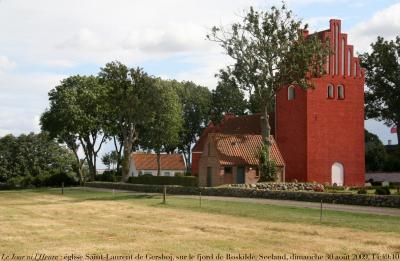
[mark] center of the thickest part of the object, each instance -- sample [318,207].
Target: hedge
[333,198]
[109,175]
[187,181]
[44,179]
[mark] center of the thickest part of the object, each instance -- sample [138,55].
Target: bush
[362,191]
[382,191]
[45,179]
[109,176]
[56,180]
[187,181]
[335,188]
[318,189]
[179,174]
[392,164]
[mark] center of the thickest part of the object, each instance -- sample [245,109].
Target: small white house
[146,163]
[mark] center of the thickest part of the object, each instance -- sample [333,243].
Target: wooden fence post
[164,194]
[320,213]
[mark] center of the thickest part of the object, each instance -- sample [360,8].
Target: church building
[319,132]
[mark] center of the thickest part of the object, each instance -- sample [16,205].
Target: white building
[146,163]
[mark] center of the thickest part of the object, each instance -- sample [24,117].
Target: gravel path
[276,202]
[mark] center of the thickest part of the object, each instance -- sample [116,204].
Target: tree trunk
[158,163]
[186,155]
[398,136]
[189,162]
[88,149]
[128,142]
[118,150]
[126,161]
[265,127]
[265,132]
[80,166]
[92,167]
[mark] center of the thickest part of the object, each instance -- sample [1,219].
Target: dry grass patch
[87,222]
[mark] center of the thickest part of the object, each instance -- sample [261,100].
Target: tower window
[330,92]
[291,93]
[340,92]
[355,69]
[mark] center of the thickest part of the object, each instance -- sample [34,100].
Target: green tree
[128,99]
[75,117]
[29,159]
[382,96]
[270,50]
[196,107]
[8,150]
[162,132]
[375,152]
[227,98]
[111,159]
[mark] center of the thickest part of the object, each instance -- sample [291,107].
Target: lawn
[91,222]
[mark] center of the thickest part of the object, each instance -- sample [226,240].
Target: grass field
[91,222]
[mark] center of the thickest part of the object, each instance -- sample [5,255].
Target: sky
[44,41]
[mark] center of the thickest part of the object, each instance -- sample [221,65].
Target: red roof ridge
[148,161]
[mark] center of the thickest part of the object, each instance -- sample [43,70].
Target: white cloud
[173,38]
[385,23]
[84,40]
[6,64]
[23,98]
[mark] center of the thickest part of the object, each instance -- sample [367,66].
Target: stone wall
[337,198]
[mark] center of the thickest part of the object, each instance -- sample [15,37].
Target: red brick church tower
[320,132]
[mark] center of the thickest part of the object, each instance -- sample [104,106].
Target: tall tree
[382,97]
[162,133]
[196,107]
[129,93]
[270,50]
[227,98]
[75,117]
[375,152]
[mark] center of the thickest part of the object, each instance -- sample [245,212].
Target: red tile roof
[239,149]
[148,161]
[247,124]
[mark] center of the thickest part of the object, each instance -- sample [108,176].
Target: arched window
[291,93]
[330,92]
[340,92]
[355,69]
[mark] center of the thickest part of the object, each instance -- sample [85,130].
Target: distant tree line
[35,160]
[377,157]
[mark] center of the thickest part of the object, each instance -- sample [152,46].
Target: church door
[337,174]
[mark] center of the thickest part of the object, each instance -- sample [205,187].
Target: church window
[330,92]
[340,92]
[291,93]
